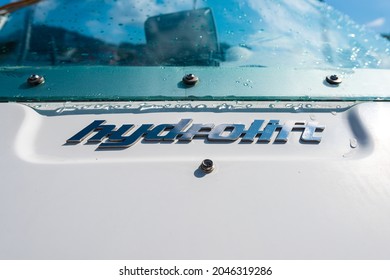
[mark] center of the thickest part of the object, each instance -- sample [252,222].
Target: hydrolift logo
[110,137]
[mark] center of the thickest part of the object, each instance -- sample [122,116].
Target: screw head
[35,80]
[207,166]
[190,79]
[334,79]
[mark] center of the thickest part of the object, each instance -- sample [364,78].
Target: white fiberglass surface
[328,200]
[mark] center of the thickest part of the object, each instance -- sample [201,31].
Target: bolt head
[190,79]
[35,80]
[207,166]
[334,79]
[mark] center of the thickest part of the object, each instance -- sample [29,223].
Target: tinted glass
[267,33]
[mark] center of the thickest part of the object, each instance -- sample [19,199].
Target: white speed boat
[182,130]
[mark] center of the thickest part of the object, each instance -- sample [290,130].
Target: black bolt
[190,79]
[334,77]
[35,80]
[207,166]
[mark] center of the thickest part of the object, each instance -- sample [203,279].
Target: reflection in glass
[267,33]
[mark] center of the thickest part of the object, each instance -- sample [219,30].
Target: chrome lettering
[269,130]
[78,137]
[196,130]
[174,131]
[310,129]
[253,131]
[287,128]
[127,141]
[233,131]
[110,137]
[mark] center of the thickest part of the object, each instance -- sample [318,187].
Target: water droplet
[271,105]
[200,106]
[298,107]
[183,106]
[353,143]
[309,106]
[222,107]
[289,105]
[249,106]
[145,107]
[66,108]
[313,117]
[333,113]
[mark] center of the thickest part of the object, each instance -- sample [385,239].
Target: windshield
[161,50]
[267,33]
